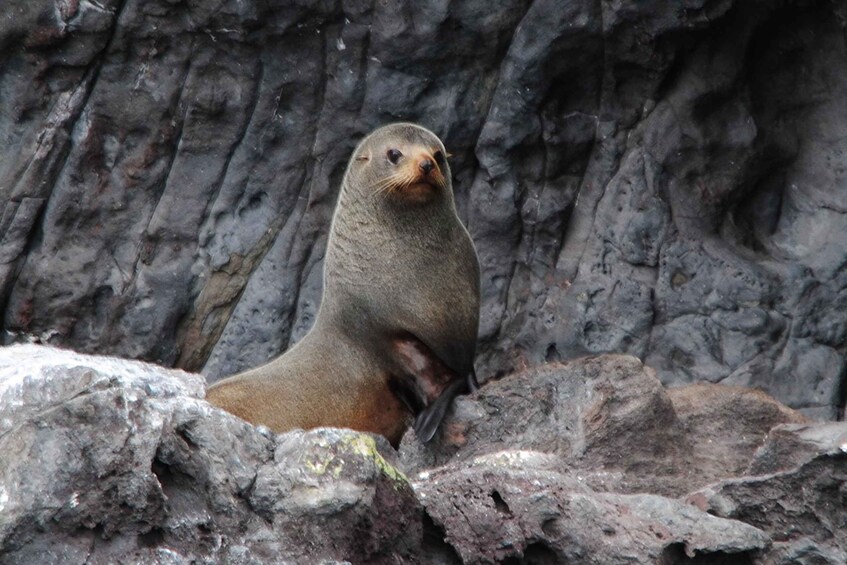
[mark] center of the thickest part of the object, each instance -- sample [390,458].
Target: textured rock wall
[658,178]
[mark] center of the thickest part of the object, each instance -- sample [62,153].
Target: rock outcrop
[107,460]
[798,493]
[661,179]
[112,461]
[610,419]
[509,505]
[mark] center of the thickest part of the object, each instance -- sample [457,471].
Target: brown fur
[397,325]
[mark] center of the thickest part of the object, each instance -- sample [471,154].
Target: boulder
[796,491]
[110,460]
[515,505]
[726,426]
[611,419]
[113,461]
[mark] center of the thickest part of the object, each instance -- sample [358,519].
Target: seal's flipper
[473,384]
[421,369]
[406,389]
[428,386]
[427,422]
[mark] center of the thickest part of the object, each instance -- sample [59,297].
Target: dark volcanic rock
[662,179]
[512,505]
[107,460]
[609,419]
[798,495]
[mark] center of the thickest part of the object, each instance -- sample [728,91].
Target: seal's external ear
[363,157]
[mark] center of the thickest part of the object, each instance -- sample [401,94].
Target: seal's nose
[426,165]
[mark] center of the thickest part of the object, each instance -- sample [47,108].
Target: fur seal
[395,334]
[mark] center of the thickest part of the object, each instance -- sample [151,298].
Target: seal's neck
[378,249]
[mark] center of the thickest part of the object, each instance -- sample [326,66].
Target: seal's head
[400,161]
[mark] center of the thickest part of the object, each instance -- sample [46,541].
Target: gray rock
[609,419]
[511,505]
[589,409]
[802,552]
[113,461]
[653,178]
[790,445]
[797,495]
[109,460]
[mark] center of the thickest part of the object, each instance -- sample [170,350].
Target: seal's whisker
[406,181]
[383,185]
[400,180]
[379,186]
[398,185]
[387,186]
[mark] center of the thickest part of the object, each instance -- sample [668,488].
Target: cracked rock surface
[107,460]
[661,179]
[117,461]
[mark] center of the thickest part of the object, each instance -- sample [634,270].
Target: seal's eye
[394,156]
[439,158]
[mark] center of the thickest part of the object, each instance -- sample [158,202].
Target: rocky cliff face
[657,178]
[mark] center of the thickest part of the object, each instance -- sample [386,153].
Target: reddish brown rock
[517,505]
[726,425]
[798,494]
[609,418]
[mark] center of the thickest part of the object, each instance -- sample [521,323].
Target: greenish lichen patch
[334,445]
[365,446]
